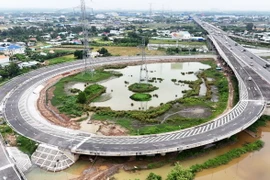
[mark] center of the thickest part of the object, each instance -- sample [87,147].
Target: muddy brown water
[251,166]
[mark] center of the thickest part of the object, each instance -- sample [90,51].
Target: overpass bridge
[17,93]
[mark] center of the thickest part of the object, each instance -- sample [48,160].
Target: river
[251,166]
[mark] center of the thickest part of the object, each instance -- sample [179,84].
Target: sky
[167,5]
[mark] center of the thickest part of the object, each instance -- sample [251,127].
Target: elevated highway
[16,112]
[253,97]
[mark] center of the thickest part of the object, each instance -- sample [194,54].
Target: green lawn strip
[141,97]
[236,90]
[5,129]
[26,145]
[62,59]
[161,41]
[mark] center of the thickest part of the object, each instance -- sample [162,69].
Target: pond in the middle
[117,93]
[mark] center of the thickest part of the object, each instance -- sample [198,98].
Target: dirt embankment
[99,173]
[50,112]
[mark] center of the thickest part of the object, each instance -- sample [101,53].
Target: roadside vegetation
[257,44]
[13,139]
[118,51]
[262,121]
[59,60]
[13,70]
[172,41]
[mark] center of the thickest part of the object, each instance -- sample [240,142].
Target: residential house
[4,59]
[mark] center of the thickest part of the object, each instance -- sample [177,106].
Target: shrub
[141,97]
[81,98]
[153,176]
[142,87]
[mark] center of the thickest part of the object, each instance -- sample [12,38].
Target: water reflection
[251,166]
[118,88]
[74,171]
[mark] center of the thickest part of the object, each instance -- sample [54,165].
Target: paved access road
[8,169]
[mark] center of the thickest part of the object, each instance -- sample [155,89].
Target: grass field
[190,43]
[61,59]
[129,51]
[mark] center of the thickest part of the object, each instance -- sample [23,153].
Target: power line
[143,70]
[86,50]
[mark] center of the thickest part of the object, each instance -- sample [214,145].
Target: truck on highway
[266,65]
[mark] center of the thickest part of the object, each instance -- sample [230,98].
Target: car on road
[249,78]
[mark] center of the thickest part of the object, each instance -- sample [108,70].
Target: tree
[105,38]
[81,98]
[104,52]
[153,176]
[3,73]
[12,69]
[20,57]
[78,54]
[249,26]
[178,173]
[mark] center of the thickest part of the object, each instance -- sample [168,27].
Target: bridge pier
[267,109]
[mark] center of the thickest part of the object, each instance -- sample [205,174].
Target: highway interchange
[254,94]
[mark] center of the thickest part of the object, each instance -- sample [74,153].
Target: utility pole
[86,49]
[143,70]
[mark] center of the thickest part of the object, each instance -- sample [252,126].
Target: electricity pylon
[143,70]
[86,50]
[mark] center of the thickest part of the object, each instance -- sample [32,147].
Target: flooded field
[251,166]
[117,95]
[74,171]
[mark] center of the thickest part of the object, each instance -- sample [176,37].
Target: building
[4,59]
[163,32]
[181,35]
[28,64]
[10,49]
